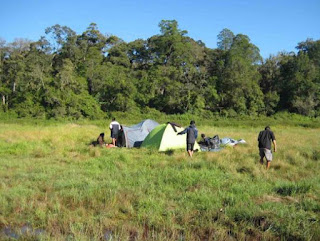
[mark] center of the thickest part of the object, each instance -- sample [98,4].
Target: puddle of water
[25,230]
[108,235]
[7,231]
[28,230]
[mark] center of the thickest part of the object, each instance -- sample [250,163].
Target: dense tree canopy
[65,74]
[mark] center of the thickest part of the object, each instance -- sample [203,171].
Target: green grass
[52,180]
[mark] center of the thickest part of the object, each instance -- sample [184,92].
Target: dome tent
[134,135]
[164,137]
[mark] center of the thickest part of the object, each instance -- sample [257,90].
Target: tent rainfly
[164,137]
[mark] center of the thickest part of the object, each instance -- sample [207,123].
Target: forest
[88,75]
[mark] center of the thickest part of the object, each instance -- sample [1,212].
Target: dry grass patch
[276,199]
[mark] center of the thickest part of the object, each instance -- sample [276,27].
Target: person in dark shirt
[115,128]
[192,134]
[205,140]
[121,138]
[265,138]
[100,140]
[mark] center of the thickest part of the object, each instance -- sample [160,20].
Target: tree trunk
[89,81]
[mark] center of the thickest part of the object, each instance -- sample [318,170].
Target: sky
[272,25]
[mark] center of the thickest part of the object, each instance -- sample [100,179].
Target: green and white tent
[164,137]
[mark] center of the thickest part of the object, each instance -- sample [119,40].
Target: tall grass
[59,187]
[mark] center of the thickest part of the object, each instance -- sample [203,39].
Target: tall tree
[225,39]
[3,88]
[139,55]
[177,69]
[58,36]
[312,48]
[240,92]
[300,85]
[269,83]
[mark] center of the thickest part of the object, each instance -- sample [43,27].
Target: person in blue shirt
[192,134]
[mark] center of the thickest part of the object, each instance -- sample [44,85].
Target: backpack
[215,142]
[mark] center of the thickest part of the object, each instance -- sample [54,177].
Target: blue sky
[272,25]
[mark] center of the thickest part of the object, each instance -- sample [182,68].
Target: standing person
[115,128]
[265,137]
[192,134]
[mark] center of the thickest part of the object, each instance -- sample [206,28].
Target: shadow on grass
[276,167]
[313,155]
[291,189]
[169,152]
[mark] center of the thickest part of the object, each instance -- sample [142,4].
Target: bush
[8,115]
[29,108]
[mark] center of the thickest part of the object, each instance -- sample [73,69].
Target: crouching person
[100,141]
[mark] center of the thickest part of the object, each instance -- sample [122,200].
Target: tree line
[65,74]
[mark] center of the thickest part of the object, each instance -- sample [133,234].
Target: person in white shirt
[115,128]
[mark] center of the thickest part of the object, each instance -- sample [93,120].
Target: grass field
[54,186]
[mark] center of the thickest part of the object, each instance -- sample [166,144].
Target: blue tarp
[135,135]
[205,148]
[226,141]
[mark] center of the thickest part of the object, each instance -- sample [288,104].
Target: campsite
[160,120]
[56,187]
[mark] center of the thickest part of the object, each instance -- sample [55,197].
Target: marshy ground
[54,186]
